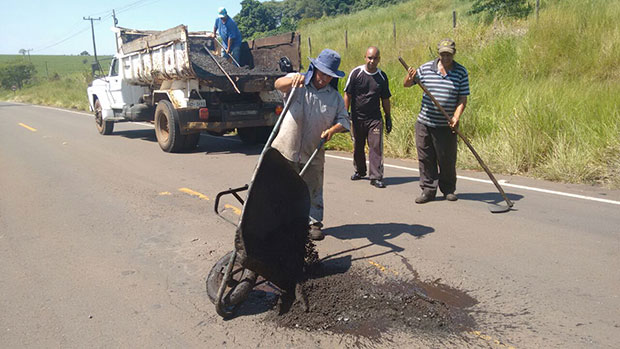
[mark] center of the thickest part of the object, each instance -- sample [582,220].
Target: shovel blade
[495,208]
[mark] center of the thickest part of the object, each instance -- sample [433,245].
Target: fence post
[537,8]
[394,29]
[309,47]
[346,39]
[453,19]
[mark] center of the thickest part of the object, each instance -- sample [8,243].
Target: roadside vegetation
[58,81]
[545,92]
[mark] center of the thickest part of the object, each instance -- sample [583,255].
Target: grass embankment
[59,81]
[545,94]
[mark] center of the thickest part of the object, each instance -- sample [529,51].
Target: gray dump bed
[149,58]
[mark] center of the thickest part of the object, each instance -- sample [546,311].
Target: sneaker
[451,197]
[377,183]
[356,176]
[316,233]
[424,198]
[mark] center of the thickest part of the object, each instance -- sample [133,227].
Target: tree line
[259,19]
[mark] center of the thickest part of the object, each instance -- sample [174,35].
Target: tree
[16,73]
[23,52]
[254,18]
[84,53]
[502,8]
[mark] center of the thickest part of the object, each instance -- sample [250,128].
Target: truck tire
[167,128]
[104,127]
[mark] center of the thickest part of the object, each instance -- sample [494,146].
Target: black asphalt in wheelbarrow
[273,230]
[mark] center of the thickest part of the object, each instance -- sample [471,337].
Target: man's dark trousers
[436,157]
[371,130]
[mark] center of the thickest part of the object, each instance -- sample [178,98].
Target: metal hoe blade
[495,208]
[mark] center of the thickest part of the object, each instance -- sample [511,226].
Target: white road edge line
[502,182]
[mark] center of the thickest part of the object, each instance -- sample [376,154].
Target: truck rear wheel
[104,127]
[167,128]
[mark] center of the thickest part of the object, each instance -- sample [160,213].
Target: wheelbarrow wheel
[238,287]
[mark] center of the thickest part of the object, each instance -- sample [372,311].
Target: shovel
[495,208]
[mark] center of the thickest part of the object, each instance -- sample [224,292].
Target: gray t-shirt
[311,112]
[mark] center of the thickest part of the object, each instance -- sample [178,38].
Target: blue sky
[56,27]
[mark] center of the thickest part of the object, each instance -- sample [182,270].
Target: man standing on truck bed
[366,90]
[316,111]
[231,37]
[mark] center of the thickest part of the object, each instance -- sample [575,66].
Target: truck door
[115,84]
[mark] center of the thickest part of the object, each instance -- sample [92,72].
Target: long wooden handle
[443,111]
[222,69]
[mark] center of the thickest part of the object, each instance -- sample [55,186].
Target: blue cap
[221,12]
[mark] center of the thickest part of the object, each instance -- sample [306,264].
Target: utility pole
[29,60]
[92,28]
[115,34]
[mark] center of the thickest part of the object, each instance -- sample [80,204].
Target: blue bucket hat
[328,62]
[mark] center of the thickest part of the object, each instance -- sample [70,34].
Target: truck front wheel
[104,127]
[167,127]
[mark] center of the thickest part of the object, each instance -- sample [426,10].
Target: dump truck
[178,81]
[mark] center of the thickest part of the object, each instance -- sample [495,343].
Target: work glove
[388,124]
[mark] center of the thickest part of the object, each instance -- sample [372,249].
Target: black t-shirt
[367,90]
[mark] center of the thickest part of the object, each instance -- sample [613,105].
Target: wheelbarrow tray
[273,230]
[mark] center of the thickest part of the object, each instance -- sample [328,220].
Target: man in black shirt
[366,89]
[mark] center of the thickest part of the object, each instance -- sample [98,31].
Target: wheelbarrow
[272,232]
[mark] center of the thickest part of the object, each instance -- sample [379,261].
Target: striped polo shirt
[446,89]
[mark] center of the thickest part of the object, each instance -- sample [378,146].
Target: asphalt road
[105,242]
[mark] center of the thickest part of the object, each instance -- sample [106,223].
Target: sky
[57,27]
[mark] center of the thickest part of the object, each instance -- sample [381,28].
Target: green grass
[68,91]
[545,93]
[59,81]
[48,66]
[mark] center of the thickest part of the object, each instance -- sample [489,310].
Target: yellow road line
[28,127]
[194,193]
[165,193]
[382,268]
[236,210]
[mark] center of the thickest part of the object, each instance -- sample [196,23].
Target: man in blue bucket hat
[316,112]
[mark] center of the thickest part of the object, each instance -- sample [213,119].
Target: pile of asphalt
[205,67]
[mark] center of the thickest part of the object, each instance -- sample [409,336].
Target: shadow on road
[208,144]
[377,234]
[489,197]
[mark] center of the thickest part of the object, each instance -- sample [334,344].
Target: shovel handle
[316,151]
[445,114]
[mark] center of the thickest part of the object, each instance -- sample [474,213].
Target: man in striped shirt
[448,82]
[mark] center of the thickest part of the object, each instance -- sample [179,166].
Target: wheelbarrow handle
[316,151]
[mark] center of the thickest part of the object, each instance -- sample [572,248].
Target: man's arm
[385,103]
[460,108]
[286,83]
[330,132]
[411,77]
[347,100]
